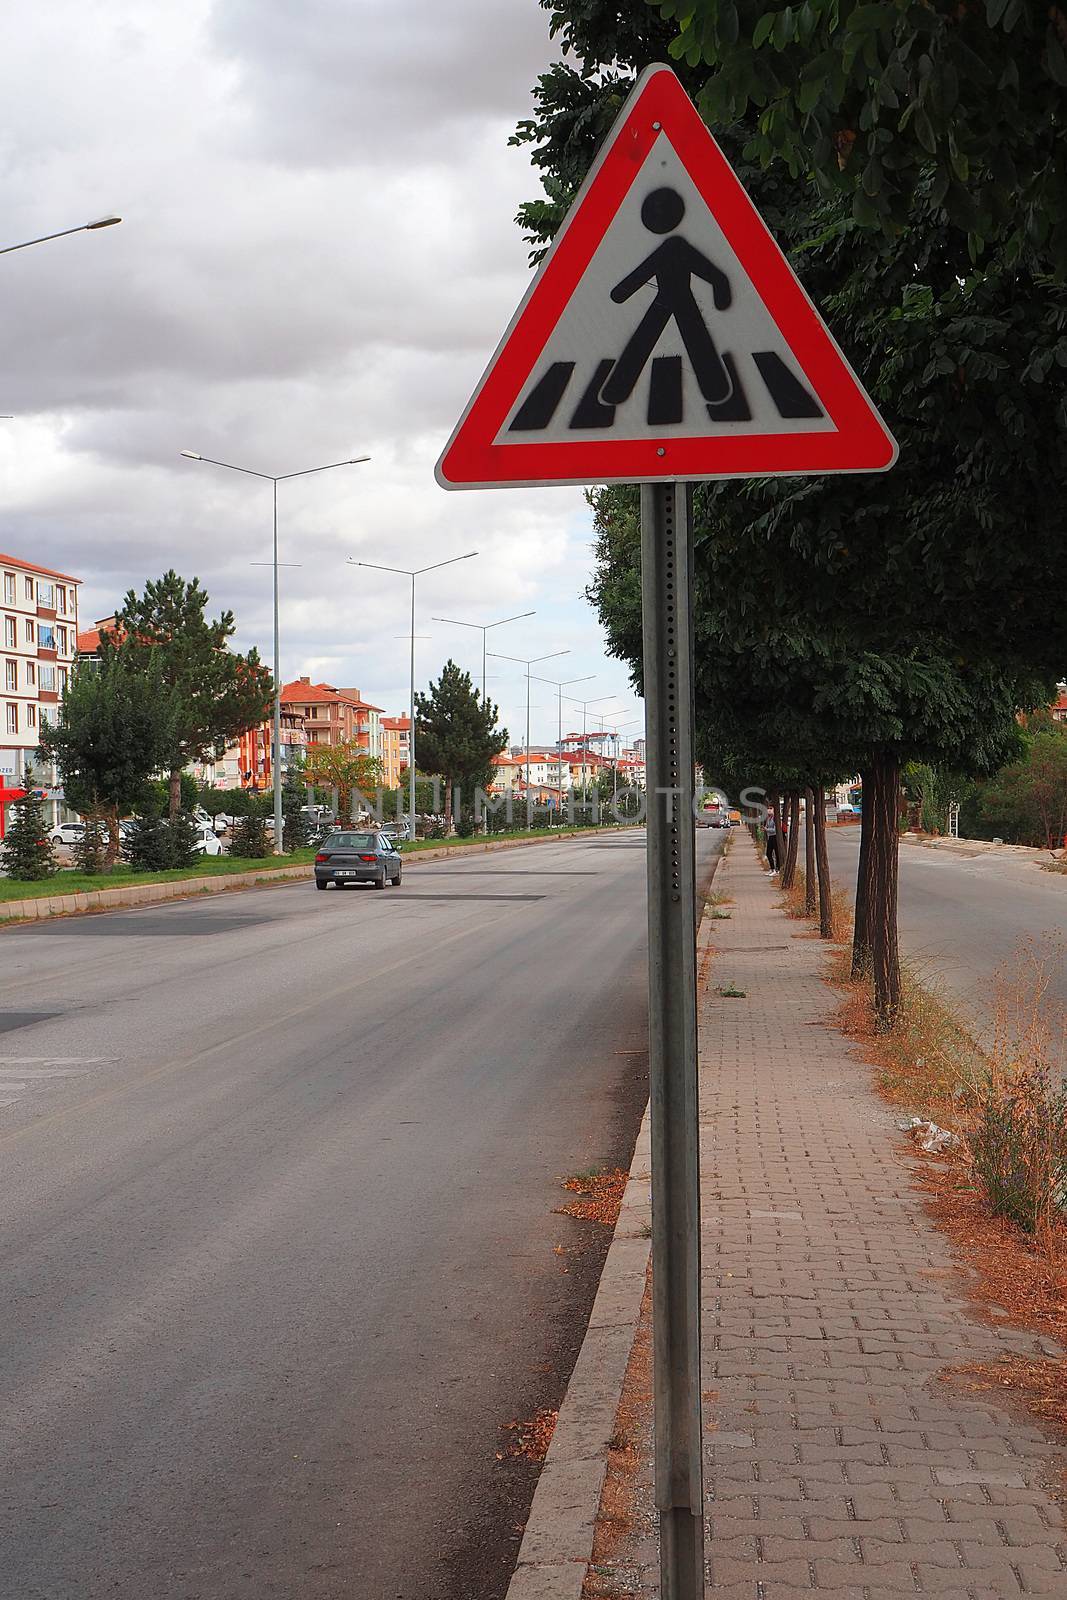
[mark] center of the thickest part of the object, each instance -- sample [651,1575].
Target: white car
[67,833]
[208,842]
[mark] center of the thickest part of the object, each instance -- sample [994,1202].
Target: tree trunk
[448,806]
[861,937]
[822,867]
[114,838]
[174,803]
[882,911]
[789,869]
[809,852]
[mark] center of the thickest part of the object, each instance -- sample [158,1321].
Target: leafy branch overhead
[959,104]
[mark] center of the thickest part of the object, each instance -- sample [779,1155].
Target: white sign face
[665,335]
[684,306]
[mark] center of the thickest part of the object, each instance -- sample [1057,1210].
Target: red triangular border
[861,442]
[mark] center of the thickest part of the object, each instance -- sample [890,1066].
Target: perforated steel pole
[666,587]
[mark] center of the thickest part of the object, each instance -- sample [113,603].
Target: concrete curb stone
[558,1542]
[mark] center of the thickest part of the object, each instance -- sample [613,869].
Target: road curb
[557,1544]
[143,894]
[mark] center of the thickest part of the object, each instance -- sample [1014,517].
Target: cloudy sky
[316,259]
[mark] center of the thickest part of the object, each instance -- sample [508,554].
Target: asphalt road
[277,1179]
[967,920]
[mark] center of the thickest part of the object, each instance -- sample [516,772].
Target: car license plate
[342,873]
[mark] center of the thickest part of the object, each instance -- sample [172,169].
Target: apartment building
[395,749]
[40,629]
[334,716]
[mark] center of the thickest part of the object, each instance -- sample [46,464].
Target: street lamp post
[407,572]
[83,227]
[616,725]
[559,688]
[532,662]
[483,628]
[585,704]
[274,480]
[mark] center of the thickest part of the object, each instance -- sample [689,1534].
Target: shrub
[26,853]
[90,851]
[1018,1147]
[156,844]
[248,839]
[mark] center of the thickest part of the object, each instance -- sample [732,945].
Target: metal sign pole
[666,587]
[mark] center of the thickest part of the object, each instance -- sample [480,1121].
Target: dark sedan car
[350,857]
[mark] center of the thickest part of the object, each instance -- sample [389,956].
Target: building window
[9,588]
[31,634]
[61,639]
[31,674]
[31,716]
[46,596]
[47,678]
[29,588]
[61,597]
[62,680]
[12,674]
[10,636]
[45,636]
[12,719]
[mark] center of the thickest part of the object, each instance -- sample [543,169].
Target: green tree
[26,853]
[908,614]
[248,838]
[90,850]
[296,831]
[885,102]
[345,768]
[115,727]
[158,843]
[1028,798]
[218,694]
[457,735]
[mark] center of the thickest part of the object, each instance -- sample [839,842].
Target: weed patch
[599,1196]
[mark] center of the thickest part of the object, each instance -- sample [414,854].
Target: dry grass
[1000,1104]
[793,904]
[619,1511]
[600,1196]
[929,1062]
[532,1436]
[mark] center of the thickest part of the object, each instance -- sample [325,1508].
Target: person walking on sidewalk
[770,829]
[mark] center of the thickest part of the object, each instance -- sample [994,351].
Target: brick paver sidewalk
[836,1461]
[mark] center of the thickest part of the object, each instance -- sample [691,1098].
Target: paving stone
[835,1464]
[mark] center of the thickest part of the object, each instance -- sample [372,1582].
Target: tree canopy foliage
[116,727]
[457,734]
[851,623]
[217,693]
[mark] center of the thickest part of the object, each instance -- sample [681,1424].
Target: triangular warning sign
[665,335]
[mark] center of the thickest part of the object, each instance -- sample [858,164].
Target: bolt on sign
[665,335]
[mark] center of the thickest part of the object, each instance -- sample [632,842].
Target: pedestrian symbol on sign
[673,265]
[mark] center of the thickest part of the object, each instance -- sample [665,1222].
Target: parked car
[347,856]
[208,842]
[734,820]
[67,833]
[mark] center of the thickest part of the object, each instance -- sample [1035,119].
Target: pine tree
[90,850]
[456,735]
[248,839]
[26,853]
[218,693]
[295,836]
[115,728]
